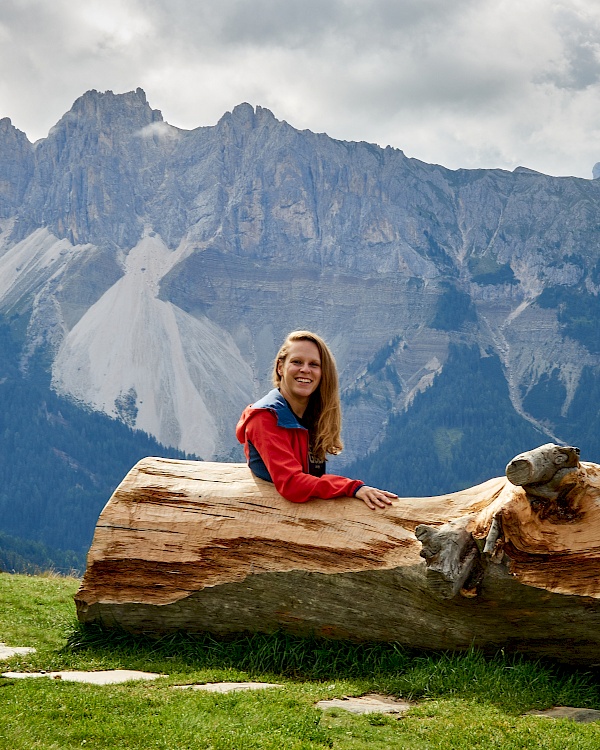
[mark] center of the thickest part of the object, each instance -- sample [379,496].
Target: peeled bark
[208,547]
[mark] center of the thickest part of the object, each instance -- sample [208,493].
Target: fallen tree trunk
[208,547]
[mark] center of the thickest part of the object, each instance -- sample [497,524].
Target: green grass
[461,701]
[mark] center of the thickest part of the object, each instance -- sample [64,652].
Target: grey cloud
[584,66]
[579,65]
[382,54]
[308,23]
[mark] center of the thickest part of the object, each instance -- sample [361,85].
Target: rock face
[161,268]
[16,167]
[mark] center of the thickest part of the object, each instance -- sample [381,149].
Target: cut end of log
[541,464]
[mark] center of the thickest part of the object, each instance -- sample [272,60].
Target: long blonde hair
[324,412]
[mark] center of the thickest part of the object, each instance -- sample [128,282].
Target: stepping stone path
[6,652]
[367,704]
[108,677]
[580,715]
[364,704]
[228,687]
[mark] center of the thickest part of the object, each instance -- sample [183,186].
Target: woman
[287,434]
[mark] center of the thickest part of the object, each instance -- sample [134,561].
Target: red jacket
[276,447]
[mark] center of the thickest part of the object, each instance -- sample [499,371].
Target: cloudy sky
[463,83]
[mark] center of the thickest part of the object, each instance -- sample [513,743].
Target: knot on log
[451,553]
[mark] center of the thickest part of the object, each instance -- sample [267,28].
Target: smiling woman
[288,433]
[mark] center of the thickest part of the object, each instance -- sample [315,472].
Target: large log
[208,547]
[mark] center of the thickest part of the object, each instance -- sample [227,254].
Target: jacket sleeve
[276,448]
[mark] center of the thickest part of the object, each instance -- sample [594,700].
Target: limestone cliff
[162,267]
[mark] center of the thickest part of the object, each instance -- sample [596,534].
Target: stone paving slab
[6,652]
[580,715]
[228,687]
[367,704]
[108,677]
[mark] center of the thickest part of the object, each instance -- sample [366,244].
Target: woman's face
[300,372]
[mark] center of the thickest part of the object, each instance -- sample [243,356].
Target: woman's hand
[374,498]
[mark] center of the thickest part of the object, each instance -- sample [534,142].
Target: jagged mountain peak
[243,112]
[6,126]
[234,234]
[87,184]
[246,114]
[16,167]
[527,170]
[8,130]
[11,134]
[244,119]
[128,99]
[107,110]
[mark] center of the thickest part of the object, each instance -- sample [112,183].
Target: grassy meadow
[460,701]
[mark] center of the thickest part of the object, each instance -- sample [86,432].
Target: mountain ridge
[264,228]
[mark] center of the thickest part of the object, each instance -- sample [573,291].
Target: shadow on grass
[278,653]
[511,681]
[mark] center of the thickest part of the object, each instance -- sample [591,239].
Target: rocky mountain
[158,270]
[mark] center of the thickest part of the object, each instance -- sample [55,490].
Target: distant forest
[59,466]
[464,429]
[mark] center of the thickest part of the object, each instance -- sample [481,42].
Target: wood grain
[208,547]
